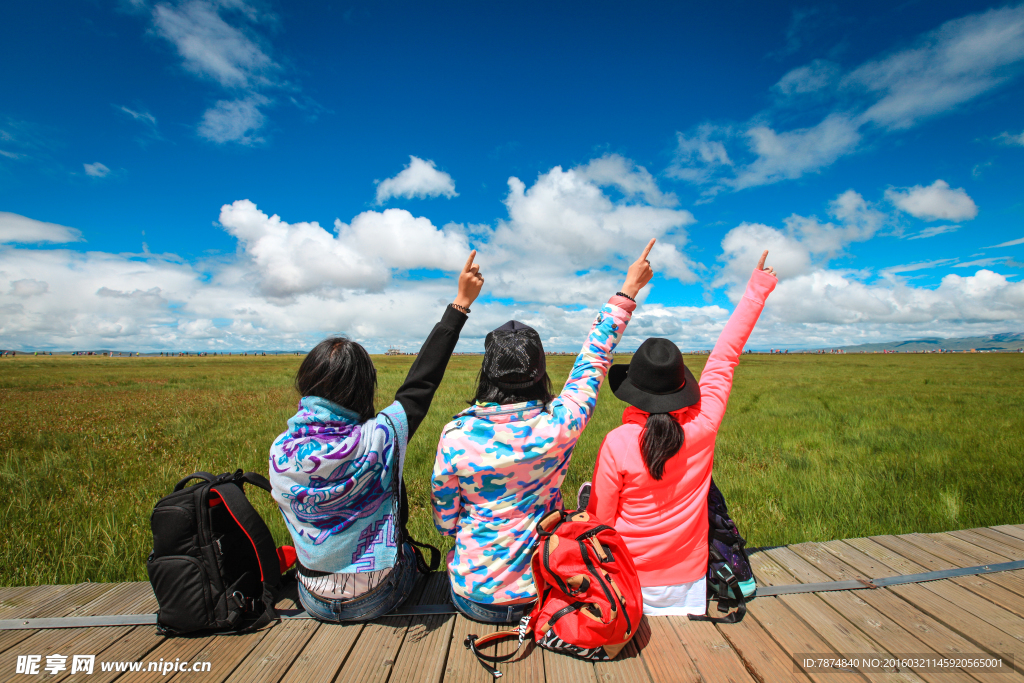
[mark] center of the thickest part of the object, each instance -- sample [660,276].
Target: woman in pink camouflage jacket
[500,463]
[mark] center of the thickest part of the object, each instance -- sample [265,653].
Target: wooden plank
[79,640]
[375,651]
[983,634]
[1007,546]
[324,654]
[832,624]
[565,669]
[461,666]
[794,636]
[871,615]
[269,660]
[628,667]
[762,656]
[932,633]
[663,654]
[892,559]
[425,649]
[768,572]
[958,551]
[711,653]
[1016,530]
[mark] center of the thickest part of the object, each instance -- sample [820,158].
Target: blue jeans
[491,614]
[391,593]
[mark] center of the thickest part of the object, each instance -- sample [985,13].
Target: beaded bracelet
[460,308]
[625,295]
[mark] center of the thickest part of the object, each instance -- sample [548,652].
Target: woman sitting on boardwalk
[653,473]
[501,462]
[336,471]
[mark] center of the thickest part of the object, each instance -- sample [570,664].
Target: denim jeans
[491,614]
[384,598]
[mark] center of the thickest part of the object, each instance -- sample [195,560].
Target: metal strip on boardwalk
[150,619]
[423,610]
[859,584]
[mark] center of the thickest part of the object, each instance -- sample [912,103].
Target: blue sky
[226,174]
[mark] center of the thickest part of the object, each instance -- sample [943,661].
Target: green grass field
[812,447]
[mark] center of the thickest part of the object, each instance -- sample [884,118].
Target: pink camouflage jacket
[499,468]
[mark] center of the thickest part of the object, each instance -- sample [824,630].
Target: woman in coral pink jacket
[653,472]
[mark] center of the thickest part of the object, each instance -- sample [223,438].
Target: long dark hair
[489,392]
[661,439]
[341,371]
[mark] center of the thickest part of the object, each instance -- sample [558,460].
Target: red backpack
[589,603]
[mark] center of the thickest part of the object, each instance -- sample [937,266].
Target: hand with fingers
[470,284]
[769,269]
[639,273]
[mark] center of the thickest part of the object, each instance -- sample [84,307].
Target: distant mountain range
[1007,341]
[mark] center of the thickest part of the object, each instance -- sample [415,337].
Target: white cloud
[934,230]
[211,47]
[96,170]
[981,262]
[230,54]
[1011,243]
[420,178]
[234,120]
[561,251]
[15,228]
[934,202]
[1011,138]
[920,265]
[143,116]
[29,287]
[812,77]
[945,69]
[302,258]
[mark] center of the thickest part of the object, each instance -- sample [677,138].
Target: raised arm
[427,370]
[579,395]
[716,378]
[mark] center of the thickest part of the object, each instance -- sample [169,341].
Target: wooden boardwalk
[944,618]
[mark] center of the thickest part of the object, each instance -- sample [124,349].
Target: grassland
[812,447]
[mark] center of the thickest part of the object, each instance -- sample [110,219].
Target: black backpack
[729,579]
[214,565]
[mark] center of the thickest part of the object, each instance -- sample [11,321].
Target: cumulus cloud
[560,252]
[15,228]
[420,178]
[301,258]
[96,170]
[29,287]
[935,202]
[943,70]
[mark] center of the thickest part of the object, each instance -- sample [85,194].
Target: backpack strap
[402,501]
[473,643]
[205,476]
[257,480]
[242,511]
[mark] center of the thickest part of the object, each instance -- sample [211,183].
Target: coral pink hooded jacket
[665,523]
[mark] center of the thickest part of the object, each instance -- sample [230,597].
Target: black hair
[661,439]
[489,392]
[339,370]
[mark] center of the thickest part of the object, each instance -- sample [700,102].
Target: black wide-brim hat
[657,380]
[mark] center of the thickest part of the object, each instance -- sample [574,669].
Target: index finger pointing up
[647,250]
[469,261]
